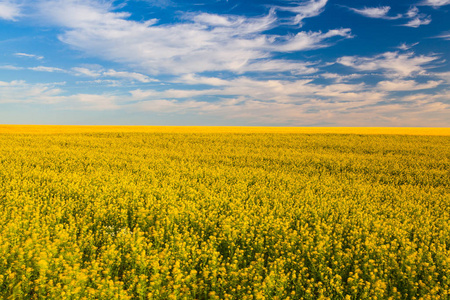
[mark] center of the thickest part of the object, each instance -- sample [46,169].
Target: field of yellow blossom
[224,213]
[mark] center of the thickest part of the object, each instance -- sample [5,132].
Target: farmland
[224,213]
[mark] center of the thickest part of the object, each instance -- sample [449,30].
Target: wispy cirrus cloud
[37,68]
[445,36]
[416,19]
[11,67]
[392,64]
[304,9]
[279,65]
[308,40]
[406,47]
[28,55]
[339,78]
[46,69]
[436,3]
[406,85]
[380,12]
[280,91]
[202,42]
[100,72]
[87,72]
[128,75]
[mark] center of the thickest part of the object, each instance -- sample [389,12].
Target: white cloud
[445,36]
[92,102]
[194,79]
[105,82]
[279,65]
[412,12]
[271,101]
[173,106]
[160,3]
[309,40]
[202,42]
[418,21]
[29,55]
[392,63]
[305,9]
[46,69]
[19,91]
[406,85]
[9,10]
[443,75]
[381,12]
[86,72]
[128,75]
[406,47]
[280,91]
[338,78]
[376,12]
[100,72]
[216,20]
[95,72]
[356,110]
[82,14]
[290,103]
[422,98]
[10,67]
[436,3]
[238,44]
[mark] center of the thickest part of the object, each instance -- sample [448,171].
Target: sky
[225,62]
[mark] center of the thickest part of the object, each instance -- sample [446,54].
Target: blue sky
[217,62]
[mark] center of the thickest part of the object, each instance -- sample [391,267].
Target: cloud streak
[203,42]
[416,19]
[436,3]
[392,64]
[406,47]
[406,85]
[445,36]
[46,69]
[128,75]
[304,9]
[20,54]
[100,72]
[376,12]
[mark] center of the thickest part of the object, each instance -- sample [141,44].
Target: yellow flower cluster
[223,213]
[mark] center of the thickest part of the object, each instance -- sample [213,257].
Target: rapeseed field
[224,213]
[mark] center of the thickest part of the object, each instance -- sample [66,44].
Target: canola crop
[217,213]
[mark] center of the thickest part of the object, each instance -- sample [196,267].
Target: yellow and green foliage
[224,213]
